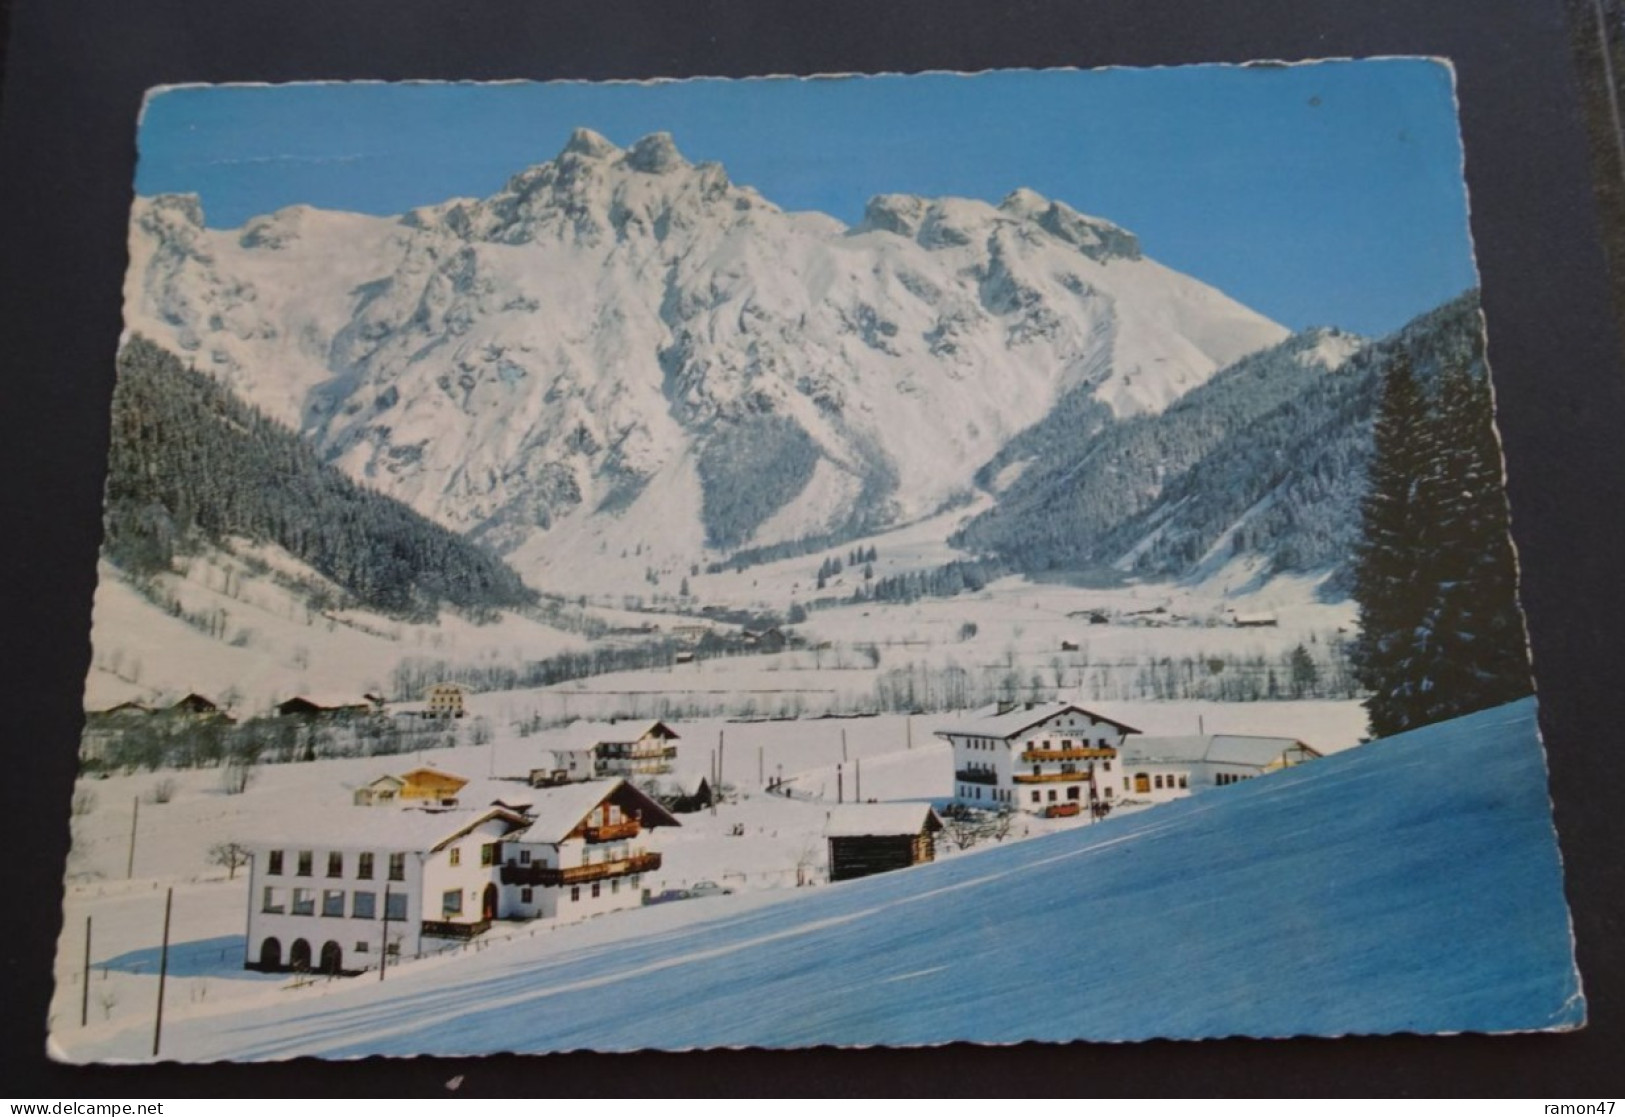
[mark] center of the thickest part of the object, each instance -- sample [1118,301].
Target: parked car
[708,888]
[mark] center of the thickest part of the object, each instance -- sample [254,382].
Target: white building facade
[382,883]
[1051,758]
[1058,759]
[1156,769]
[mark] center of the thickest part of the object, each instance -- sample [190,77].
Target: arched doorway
[271,954]
[332,958]
[488,907]
[299,956]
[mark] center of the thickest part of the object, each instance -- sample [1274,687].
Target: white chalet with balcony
[1048,758]
[365,883]
[599,750]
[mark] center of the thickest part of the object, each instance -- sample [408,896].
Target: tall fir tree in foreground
[1435,578]
[1475,653]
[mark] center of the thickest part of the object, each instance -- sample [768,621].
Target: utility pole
[857,791]
[163,975]
[129,866]
[908,729]
[383,958]
[839,782]
[843,746]
[84,997]
[761,771]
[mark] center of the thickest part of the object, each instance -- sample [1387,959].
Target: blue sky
[1319,194]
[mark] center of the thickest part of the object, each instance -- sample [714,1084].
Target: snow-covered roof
[583,735]
[1024,717]
[385,780]
[328,701]
[1213,748]
[393,831]
[555,811]
[866,820]
[433,776]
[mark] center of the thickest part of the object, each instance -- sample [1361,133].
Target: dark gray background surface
[75,74]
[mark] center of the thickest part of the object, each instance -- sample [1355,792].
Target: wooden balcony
[642,752]
[580,874]
[1051,777]
[612,831]
[1038,756]
[977,775]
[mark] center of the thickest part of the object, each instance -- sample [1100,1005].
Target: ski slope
[1412,885]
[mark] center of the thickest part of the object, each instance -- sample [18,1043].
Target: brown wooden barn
[868,838]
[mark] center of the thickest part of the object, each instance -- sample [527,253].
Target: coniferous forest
[1435,577]
[189,462]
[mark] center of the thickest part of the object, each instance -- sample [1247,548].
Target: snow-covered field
[1412,885]
[936,656]
[760,843]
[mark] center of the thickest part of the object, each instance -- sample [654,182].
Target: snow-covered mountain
[621,349]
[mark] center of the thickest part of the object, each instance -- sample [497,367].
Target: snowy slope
[620,335]
[1411,885]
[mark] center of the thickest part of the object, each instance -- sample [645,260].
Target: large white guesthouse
[1042,757]
[384,881]
[1059,759]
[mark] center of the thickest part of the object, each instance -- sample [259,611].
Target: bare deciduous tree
[230,856]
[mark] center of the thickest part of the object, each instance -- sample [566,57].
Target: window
[1107,765]
[304,901]
[361,946]
[305,859]
[1072,793]
[488,853]
[614,886]
[393,950]
[595,890]
[396,907]
[1184,780]
[1037,798]
[397,866]
[451,902]
[273,901]
[1159,782]
[273,864]
[335,864]
[364,905]
[575,892]
[333,902]
[1108,793]
[455,856]
[363,866]
[1052,795]
[524,857]
[525,895]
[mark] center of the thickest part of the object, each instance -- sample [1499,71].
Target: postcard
[852,560]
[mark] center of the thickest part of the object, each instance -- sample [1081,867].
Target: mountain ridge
[601,342]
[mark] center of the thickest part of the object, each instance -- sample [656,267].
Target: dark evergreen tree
[1472,650]
[1435,577]
[1393,598]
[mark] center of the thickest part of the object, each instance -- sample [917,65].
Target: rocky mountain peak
[655,153]
[586,142]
